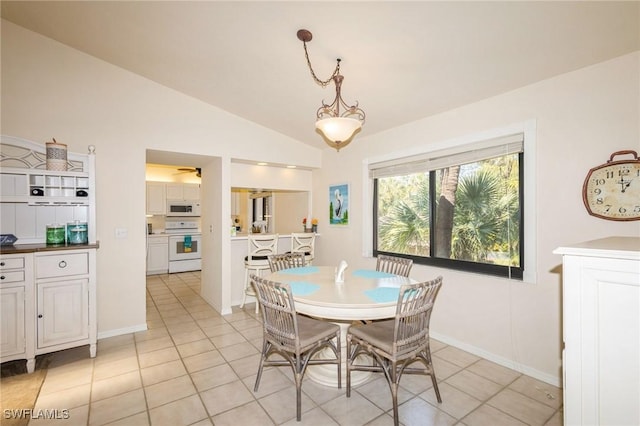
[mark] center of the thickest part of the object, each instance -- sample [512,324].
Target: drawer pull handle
[62,264]
[2,277]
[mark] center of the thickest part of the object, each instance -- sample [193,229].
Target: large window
[460,209]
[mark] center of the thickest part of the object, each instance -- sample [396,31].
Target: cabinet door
[156,198]
[158,258]
[12,338]
[191,191]
[175,191]
[63,312]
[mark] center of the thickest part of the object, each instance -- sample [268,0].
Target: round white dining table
[363,295]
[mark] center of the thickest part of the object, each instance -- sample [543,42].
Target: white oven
[185,248]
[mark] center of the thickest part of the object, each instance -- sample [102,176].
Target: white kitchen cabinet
[183,191]
[156,198]
[157,254]
[601,332]
[16,310]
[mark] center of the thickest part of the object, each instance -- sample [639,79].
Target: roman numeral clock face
[612,190]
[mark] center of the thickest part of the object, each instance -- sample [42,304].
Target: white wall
[581,118]
[50,90]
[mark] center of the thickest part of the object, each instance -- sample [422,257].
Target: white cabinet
[601,331]
[63,312]
[183,191]
[157,254]
[16,308]
[65,300]
[156,198]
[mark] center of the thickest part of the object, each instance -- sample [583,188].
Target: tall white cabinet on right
[601,329]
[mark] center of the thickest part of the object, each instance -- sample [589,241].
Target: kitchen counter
[39,247]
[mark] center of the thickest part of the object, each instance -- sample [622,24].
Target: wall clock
[612,190]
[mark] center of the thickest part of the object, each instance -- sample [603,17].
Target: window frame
[527,198]
[457,264]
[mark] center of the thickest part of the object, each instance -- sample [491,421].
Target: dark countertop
[31,248]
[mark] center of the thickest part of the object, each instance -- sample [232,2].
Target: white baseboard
[508,363]
[121,331]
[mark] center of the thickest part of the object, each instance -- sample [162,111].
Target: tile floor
[195,367]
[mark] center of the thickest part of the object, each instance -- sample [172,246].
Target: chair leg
[265,349]
[244,291]
[348,365]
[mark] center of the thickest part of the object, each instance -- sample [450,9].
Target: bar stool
[304,243]
[259,247]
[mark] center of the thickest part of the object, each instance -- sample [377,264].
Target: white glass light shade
[338,129]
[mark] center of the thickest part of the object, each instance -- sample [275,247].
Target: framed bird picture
[339,204]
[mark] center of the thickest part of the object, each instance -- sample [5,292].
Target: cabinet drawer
[60,265]
[11,263]
[11,277]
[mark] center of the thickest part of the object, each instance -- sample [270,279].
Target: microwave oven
[183,208]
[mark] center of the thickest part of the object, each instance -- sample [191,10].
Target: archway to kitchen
[198,224]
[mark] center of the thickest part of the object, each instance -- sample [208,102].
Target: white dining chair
[304,243]
[259,247]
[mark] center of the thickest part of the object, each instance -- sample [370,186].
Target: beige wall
[50,90]
[581,118]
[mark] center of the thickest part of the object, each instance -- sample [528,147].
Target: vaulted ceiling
[401,61]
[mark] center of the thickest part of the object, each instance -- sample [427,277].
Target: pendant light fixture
[336,127]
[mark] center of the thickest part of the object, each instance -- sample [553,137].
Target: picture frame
[339,204]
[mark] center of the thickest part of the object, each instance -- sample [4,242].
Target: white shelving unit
[48,293]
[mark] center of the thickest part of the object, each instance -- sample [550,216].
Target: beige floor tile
[182,327]
[115,368]
[454,402]
[246,323]
[66,398]
[158,357]
[241,350]
[178,413]
[253,333]
[112,386]
[522,407]
[214,376]
[378,392]
[457,356]
[248,414]
[315,417]
[246,366]
[476,386]
[486,415]
[203,360]
[154,344]
[110,342]
[161,372]
[140,419]
[117,407]
[229,339]
[169,391]
[218,330]
[417,411]
[195,348]
[272,380]
[116,353]
[281,405]
[494,372]
[151,334]
[189,336]
[226,397]
[540,391]
[355,410]
[58,380]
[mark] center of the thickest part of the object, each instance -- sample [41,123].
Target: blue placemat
[383,294]
[303,288]
[368,273]
[304,270]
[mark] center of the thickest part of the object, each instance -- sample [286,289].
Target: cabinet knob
[1,263]
[2,277]
[39,315]
[62,264]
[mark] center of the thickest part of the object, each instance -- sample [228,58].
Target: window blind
[463,154]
